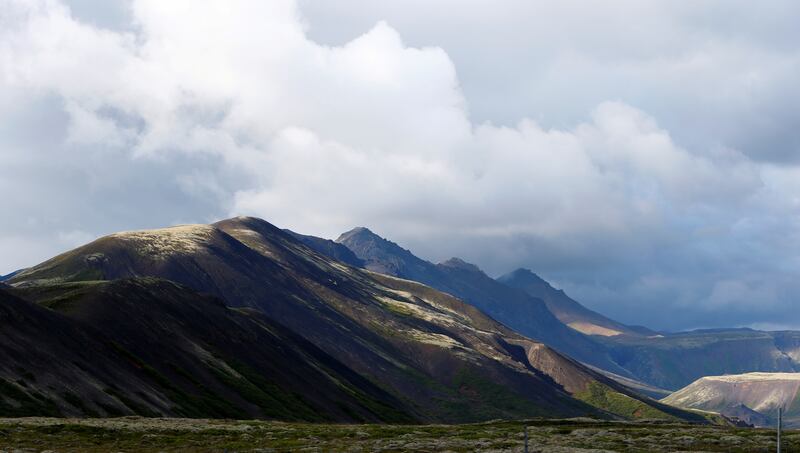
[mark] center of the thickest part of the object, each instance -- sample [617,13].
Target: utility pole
[780,421]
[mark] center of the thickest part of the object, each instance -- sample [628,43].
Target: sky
[642,155]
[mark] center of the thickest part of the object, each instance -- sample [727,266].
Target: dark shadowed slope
[152,347]
[42,351]
[511,306]
[566,309]
[437,357]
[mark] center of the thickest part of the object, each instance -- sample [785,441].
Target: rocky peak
[458,263]
[358,234]
[526,279]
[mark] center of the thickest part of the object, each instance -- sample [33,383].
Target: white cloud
[714,73]
[232,108]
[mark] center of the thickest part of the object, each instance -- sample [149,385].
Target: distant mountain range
[526,314]
[675,360]
[665,361]
[242,319]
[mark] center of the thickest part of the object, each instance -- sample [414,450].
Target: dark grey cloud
[643,156]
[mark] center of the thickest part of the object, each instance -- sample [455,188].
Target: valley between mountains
[241,319]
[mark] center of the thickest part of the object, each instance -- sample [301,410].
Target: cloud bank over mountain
[649,171]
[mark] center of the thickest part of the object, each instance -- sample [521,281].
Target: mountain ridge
[329,248]
[654,360]
[566,309]
[436,357]
[511,306]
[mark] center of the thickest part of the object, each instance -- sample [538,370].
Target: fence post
[526,438]
[780,422]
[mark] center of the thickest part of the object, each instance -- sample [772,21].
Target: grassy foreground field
[577,435]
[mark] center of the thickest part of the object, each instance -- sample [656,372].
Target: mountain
[385,257]
[638,386]
[754,397]
[637,357]
[669,360]
[329,248]
[152,347]
[41,350]
[672,361]
[746,416]
[401,349]
[578,380]
[566,309]
[511,306]
[8,276]
[277,246]
[523,313]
